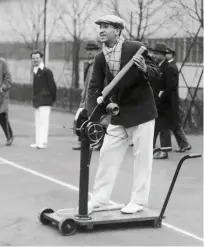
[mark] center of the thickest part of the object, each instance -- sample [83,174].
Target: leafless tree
[186,13]
[141,17]
[74,17]
[31,30]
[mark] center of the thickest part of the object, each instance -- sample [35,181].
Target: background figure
[5,86]
[92,49]
[168,102]
[44,95]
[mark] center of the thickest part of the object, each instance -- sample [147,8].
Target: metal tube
[172,185]
[85,158]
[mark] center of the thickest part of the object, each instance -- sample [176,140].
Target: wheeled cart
[91,131]
[69,220]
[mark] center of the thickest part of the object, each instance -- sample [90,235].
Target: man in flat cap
[135,122]
[92,49]
[169,102]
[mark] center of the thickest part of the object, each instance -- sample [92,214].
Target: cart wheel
[42,217]
[67,227]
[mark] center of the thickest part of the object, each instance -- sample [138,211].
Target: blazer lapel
[125,55]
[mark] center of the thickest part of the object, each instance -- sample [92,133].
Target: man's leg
[165,138]
[44,125]
[181,139]
[37,127]
[6,128]
[143,159]
[165,141]
[156,133]
[112,153]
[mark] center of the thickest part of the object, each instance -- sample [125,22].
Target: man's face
[108,33]
[91,53]
[169,56]
[158,56]
[36,59]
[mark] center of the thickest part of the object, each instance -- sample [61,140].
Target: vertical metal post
[45,27]
[85,158]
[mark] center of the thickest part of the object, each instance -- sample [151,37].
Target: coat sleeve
[96,83]
[83,102]
[7,82]
[153,74]
[51,84]
[171,82]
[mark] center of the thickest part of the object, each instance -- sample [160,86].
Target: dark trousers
[5,125]
[165,137]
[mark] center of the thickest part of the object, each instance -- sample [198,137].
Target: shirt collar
[171,60]
[160,64]
[108,49]
[40,66]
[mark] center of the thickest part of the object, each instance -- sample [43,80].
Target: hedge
[68,100]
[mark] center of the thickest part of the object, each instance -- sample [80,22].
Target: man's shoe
[9,141]
[42,146]
[131,208]
[160,155]
[33,146]
[92,205]
[78,147]
[98,147]
[184,149]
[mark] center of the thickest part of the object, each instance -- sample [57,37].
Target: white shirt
[40,66]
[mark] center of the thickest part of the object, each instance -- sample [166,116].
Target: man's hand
[99,100]
[140,63]
[160,93]
[1,91]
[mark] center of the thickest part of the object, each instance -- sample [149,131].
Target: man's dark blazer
[169,105]
[44,88]
[133,94]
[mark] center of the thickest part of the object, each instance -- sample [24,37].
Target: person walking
[169,103]
[5,86]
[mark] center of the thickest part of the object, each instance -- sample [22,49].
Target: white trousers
[112,153]
[42,116]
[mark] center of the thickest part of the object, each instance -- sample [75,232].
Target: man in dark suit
[92,49]
[5,86]
[168,102]
[44,95]
[135,122]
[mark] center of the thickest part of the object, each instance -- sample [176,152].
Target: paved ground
[33,179]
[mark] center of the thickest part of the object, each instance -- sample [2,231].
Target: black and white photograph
[101,123]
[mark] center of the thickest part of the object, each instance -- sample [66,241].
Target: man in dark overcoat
[5,86]
[168,102]
[135,121]
[92,48]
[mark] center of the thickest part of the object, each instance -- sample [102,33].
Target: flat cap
[111,19]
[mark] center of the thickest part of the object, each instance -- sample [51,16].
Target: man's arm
[171,81]
[152,74]
[51,84]
[6,78]
[96,83]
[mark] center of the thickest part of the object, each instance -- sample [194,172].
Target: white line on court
[72,187]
